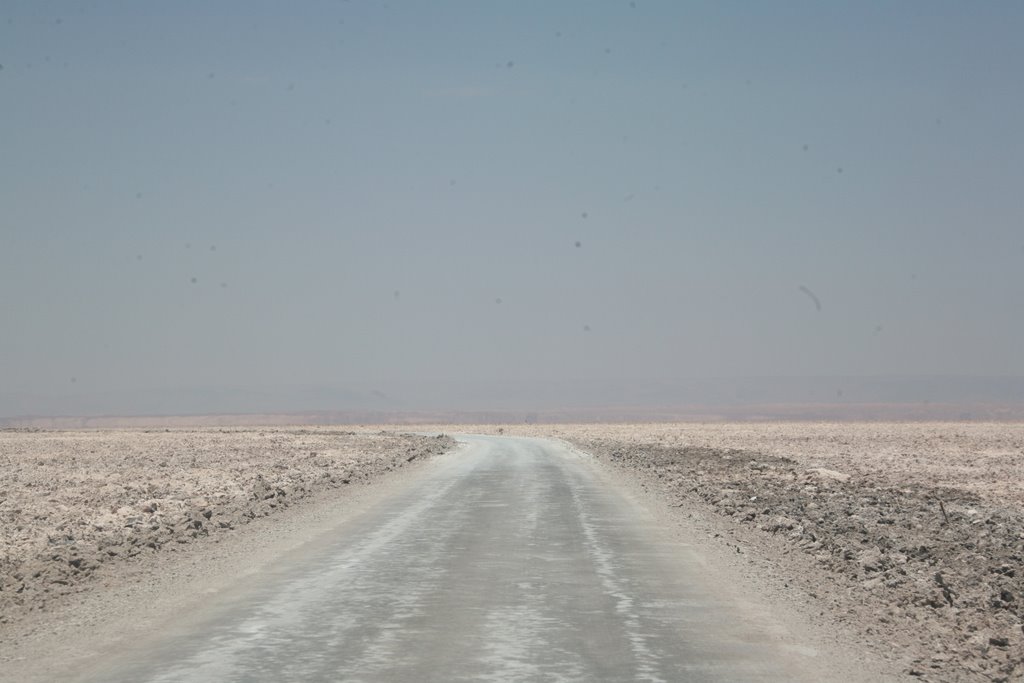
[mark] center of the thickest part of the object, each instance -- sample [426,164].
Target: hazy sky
[201,194]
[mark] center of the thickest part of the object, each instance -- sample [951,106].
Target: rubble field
[74,501]
[912,534]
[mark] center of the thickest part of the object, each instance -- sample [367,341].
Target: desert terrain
[75,502]
[906,537]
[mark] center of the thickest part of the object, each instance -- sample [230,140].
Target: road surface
[510,560]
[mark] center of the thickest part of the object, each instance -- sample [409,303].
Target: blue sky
[355,185]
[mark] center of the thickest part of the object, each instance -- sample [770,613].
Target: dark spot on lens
[633,5]
[586,328]
[628,198]
[806,147]
[209,75]
[878,328]
[607,50]
[578,244]
[584,214]
[812,296]
[839,170]
[558,34]
[223,285]
[839,393]
[213,247]
[188,245]
[194,281]
[509,64]
[138,195]
[498,300]
[396,294]
[74,379]
[451,182]
[291,86]
[139,257]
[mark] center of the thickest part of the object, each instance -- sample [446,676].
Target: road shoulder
[129,602]
[759,576]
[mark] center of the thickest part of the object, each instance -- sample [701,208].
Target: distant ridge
[867,412]
[477,402]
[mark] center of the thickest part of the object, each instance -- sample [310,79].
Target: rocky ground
[912,534]
[909,535]
[73,501]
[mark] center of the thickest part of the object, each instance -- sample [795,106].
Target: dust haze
[395,208]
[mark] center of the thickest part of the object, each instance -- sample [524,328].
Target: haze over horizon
[427,200]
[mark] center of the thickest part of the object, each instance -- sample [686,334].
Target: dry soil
[73,502]
[908,535]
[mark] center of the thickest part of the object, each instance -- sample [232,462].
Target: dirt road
[510,559]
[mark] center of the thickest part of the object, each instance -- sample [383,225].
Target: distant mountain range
[547,401]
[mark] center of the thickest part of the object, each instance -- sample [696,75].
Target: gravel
[918,548]
[71,502]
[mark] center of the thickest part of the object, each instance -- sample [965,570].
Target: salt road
[510,559]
